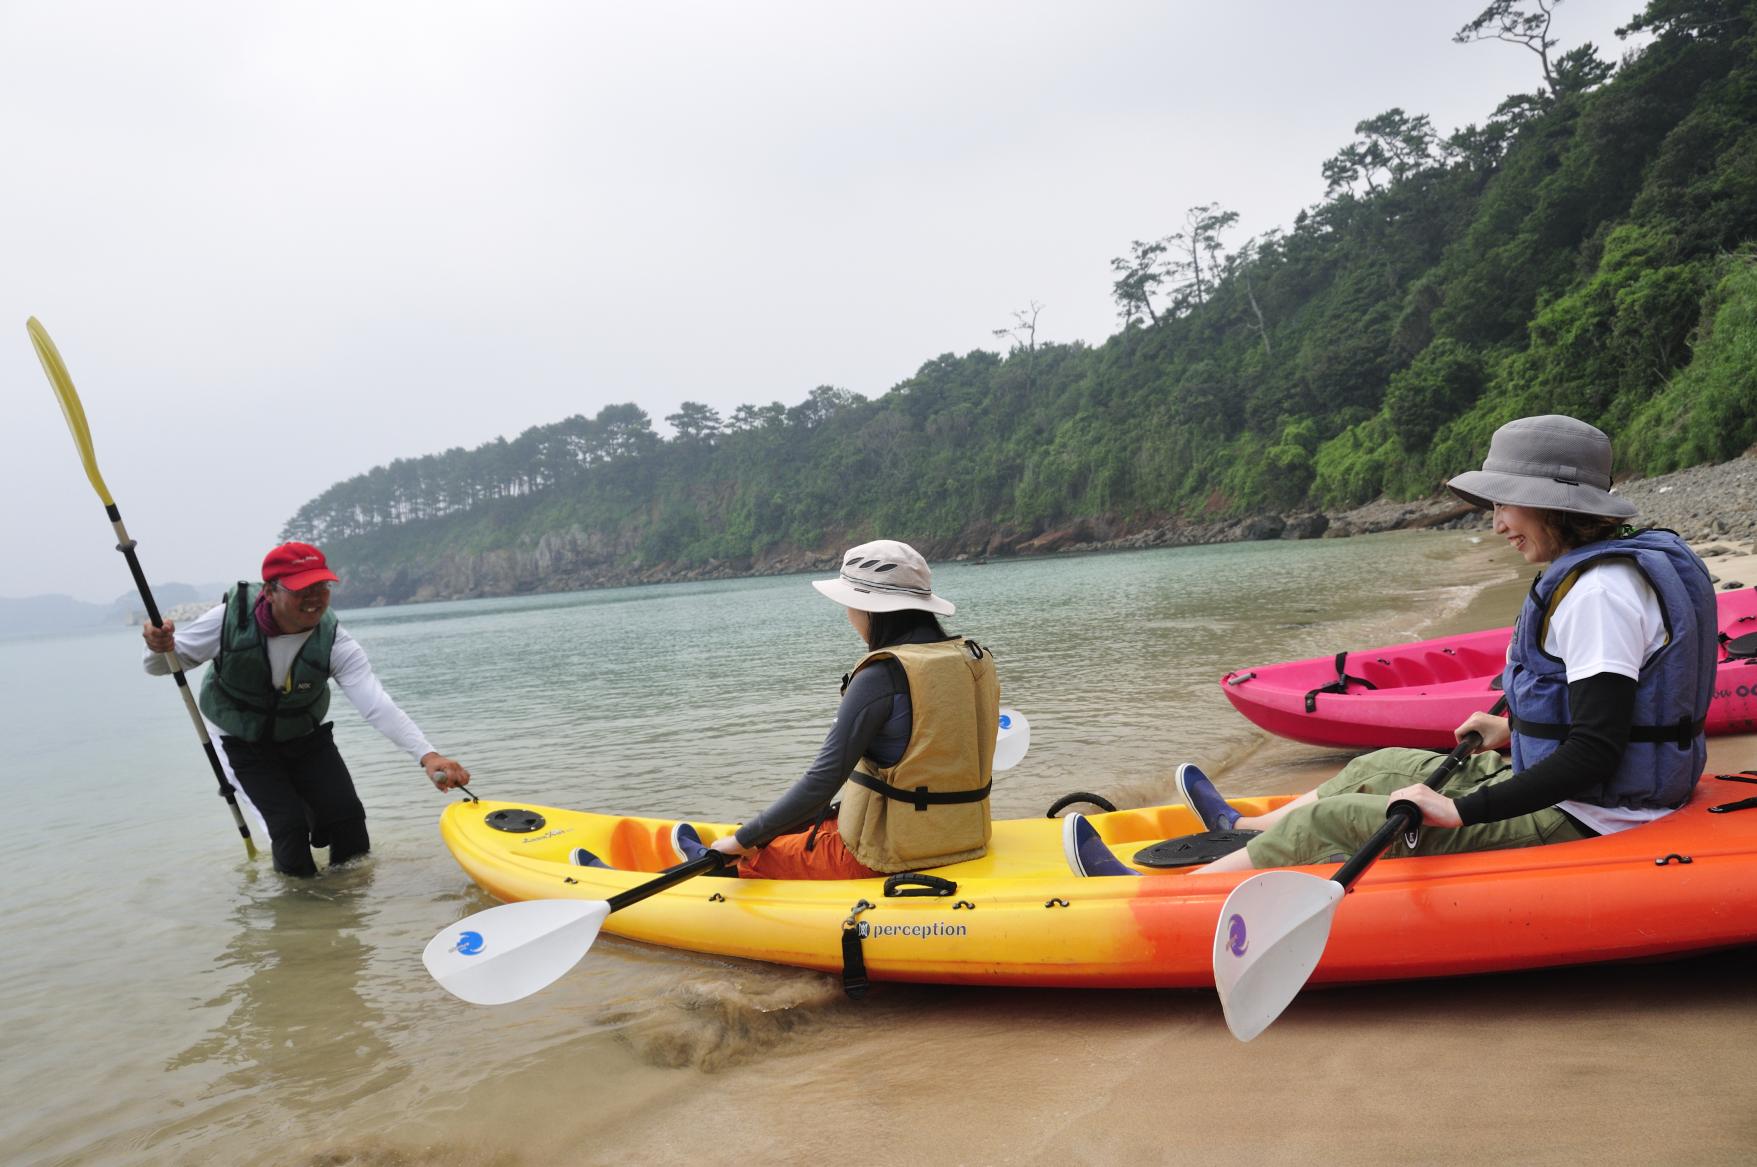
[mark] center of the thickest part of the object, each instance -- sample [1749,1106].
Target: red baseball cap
[296,566]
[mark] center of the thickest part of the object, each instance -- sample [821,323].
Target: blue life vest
[1667,749]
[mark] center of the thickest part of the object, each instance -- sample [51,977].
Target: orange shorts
[785,857]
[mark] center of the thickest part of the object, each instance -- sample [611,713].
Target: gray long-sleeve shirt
[873,721]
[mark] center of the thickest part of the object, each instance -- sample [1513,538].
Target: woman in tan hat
[1608,679]
[913,741]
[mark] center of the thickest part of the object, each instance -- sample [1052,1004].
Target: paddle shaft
[700,865]
[74,412]
[703,864]
[126,546]
[1404,816]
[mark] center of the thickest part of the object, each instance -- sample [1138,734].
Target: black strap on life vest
[1339,685]
[1682,734]
[920,797]
[830,808]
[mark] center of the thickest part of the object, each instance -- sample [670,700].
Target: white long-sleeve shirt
[199,642]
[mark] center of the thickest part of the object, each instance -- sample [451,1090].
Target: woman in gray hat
[1608,679]
[912,747]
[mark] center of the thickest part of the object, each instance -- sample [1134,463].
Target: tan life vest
[931,808]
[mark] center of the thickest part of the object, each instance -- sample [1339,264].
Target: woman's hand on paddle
[729,845]
[444,773]
[1494,731]
[161,637]
[1436,809]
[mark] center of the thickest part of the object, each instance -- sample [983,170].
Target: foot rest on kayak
[1193,850]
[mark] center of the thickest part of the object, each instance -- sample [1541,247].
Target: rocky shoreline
[1714,507]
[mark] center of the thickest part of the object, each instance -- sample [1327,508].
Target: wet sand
[1638,1064]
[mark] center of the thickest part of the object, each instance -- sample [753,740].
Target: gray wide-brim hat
[1551,462]
[884,576]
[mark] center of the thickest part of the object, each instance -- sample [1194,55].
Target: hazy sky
[279,244]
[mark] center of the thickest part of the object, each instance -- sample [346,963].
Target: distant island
[52,614]
[1589,247]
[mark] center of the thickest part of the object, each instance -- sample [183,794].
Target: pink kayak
[1416,694]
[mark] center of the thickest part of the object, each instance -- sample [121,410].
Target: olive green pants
[1351,806]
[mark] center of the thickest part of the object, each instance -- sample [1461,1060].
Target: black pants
[305,794]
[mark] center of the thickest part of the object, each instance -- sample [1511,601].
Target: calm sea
[169,1002]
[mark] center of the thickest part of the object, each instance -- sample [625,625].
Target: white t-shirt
[1609,622]
[199,641]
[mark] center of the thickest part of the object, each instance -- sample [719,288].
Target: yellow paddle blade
[70,406]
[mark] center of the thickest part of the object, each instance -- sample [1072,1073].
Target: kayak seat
[1446,666]
[1410,671]
[1376,671]
[1478,663]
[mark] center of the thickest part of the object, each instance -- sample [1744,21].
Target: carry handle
[909,883]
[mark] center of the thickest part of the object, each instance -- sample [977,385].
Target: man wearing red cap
[275,648]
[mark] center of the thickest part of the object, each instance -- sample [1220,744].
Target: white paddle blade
[1272,931]
[511,951]
[1013,739]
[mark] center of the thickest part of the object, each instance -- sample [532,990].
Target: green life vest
[239,694]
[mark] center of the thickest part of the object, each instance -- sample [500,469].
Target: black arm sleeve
[1600,708]
[866,705]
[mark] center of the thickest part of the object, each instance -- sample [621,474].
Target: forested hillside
[1589,247]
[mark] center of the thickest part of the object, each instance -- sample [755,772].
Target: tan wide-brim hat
[1551,462]
[884,576]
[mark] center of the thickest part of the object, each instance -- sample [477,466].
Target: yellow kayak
[1020,916]
[1016,916]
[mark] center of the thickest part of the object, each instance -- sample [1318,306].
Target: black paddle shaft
[126,546]
[1404,816]
[701,865]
